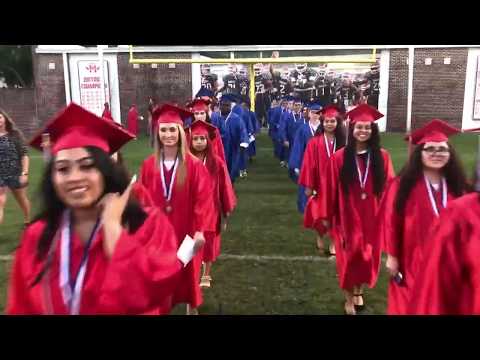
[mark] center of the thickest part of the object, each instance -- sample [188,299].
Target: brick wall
[161,83]
[20,106]
[49,84]
[438,89]
[397,90]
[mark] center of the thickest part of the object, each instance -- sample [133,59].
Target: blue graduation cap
[297,100]
[315,106]
[229,98]
[288,98]
[204,92]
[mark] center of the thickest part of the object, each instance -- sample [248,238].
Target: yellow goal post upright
[251,61]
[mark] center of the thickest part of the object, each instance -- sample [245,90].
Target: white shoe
[205,281]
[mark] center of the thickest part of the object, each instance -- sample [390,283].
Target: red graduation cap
[365,113]
[200,104]
[170,114]
[330,111]
[75,127]
[435,130]
[200,127]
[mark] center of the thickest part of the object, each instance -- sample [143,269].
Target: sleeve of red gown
[142,195]
[441,287]
[18,301]
[389,221]
[389,169]
[227,194]
[307,176]
[143,270]
[205,219]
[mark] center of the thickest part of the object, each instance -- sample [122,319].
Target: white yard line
[240,257]
[272,257]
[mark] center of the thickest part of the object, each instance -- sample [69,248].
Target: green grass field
[265,222]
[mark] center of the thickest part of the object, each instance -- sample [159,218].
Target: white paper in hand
[185,251]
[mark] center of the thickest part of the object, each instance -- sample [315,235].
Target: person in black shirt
[373,90]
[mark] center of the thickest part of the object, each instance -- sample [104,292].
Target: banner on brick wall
[90,85]
[476,101]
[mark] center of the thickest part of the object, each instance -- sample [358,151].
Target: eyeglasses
[442,150]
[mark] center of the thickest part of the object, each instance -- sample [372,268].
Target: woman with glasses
[447,283]
[412,203]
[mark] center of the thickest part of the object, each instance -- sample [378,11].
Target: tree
[16,65]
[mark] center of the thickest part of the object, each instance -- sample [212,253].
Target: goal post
[251,61]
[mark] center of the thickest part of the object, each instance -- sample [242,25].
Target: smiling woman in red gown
[180,186]
[356,178]
[91,250]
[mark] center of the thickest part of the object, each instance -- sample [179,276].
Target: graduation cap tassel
[348,131]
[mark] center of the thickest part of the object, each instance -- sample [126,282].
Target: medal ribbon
[167,192]
[364,180]
[431,197]
[327,146]
[72,288]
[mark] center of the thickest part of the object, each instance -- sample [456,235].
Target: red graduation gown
[403,236]
[224,202]
[353,223]
[192,211]
[142,195]
[142,272]
[448,282]
[132,121]
[315,160]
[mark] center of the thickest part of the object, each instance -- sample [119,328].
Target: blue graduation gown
[188,122]
[218,121]
[278,149]
[244,114]
[302,137]
[233,131]
[289,124]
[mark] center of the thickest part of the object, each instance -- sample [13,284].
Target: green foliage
[16,65]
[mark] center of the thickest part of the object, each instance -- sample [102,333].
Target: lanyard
[167,192]
[327,145]
[72,288]
[364,180]
[431,197]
